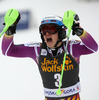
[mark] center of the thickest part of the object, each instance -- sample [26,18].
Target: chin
[50,46]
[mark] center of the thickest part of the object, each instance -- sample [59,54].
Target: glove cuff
[11,30]
[79,31]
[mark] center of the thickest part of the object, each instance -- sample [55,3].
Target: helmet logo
[47,20]
[42,22]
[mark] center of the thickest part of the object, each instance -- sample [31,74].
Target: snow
[20,78]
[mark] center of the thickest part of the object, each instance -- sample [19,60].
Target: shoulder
[33,44]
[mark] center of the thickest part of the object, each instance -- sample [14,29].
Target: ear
[62,33]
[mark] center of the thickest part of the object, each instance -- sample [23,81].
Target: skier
[49,55]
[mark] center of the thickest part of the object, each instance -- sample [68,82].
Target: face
[51,39]
[50,34]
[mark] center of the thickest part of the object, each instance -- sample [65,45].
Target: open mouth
[49,39]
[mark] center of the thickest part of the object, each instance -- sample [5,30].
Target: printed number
[57,77]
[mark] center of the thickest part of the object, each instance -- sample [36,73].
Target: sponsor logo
[54,65]
[33,44]
[62,91]
[77,87]
[43,52]
[68,91]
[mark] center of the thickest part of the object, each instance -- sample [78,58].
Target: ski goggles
[50,28]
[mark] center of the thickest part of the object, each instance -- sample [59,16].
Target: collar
[58,50]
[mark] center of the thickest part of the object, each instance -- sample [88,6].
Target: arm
[89,42]
[9,49]
[87,45]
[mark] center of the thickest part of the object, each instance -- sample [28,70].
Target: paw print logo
[68,60]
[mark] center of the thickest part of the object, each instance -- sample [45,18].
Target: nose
[47,33]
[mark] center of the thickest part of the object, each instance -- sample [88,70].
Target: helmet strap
[57,43]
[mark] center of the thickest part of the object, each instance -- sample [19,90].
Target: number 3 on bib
[57,76]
